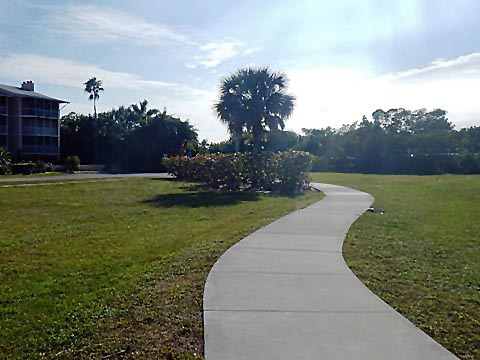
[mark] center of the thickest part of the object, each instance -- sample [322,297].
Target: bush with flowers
[285,172]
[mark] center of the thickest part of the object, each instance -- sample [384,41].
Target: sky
[344,58]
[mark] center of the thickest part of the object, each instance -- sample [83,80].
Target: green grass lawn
[116,269]
[423,255]
[55,173]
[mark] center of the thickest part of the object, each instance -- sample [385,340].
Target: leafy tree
[280,141]
[435,120]
[396,121]
[223,147]
[203,147]
[397,141]
[134,137]
[254,99]
[77,134]
[163,134]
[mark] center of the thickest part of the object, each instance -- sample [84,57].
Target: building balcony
[39,131]
[44,150]
[53,114]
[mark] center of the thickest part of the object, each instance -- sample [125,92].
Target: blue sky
[344,58]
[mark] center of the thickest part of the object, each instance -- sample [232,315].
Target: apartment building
[29,123]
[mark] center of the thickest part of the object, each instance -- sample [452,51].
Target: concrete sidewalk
[285,292]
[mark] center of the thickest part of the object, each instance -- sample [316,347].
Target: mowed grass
[423,255]
[116,269]
[55,173]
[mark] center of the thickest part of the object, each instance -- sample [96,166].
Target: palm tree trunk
[257,142]
[96,132]
[237,140]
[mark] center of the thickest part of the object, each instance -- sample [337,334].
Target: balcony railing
[54,114]
[39,131]
[35,149]
[3,110]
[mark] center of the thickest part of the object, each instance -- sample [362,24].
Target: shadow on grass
[201,199]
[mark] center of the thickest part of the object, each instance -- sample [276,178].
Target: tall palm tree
[229,108]
[254,99]
[93,87]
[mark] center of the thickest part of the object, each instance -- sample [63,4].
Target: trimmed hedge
[284,172]
[23,168]
[29,168]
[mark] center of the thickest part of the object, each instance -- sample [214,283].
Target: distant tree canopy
[396,121]
[133,137]
[397,141]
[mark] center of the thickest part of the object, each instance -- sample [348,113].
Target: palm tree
[229,108]
[254,99]
[142,113]
[93,87]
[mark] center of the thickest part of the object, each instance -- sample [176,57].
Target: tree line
[135,138]
[254,105]
[397,141]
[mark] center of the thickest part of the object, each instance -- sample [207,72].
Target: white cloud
[97,24]
[69,73]
[335,96]
[325,96]
[250,51]
[462,66]
[184,101]
[214,53]
[197,106]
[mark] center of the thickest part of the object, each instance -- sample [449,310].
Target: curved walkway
[285,292]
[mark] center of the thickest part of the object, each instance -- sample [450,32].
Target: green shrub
[42,167]
[280,172]
[72,163]
[5,161]
[292,171]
